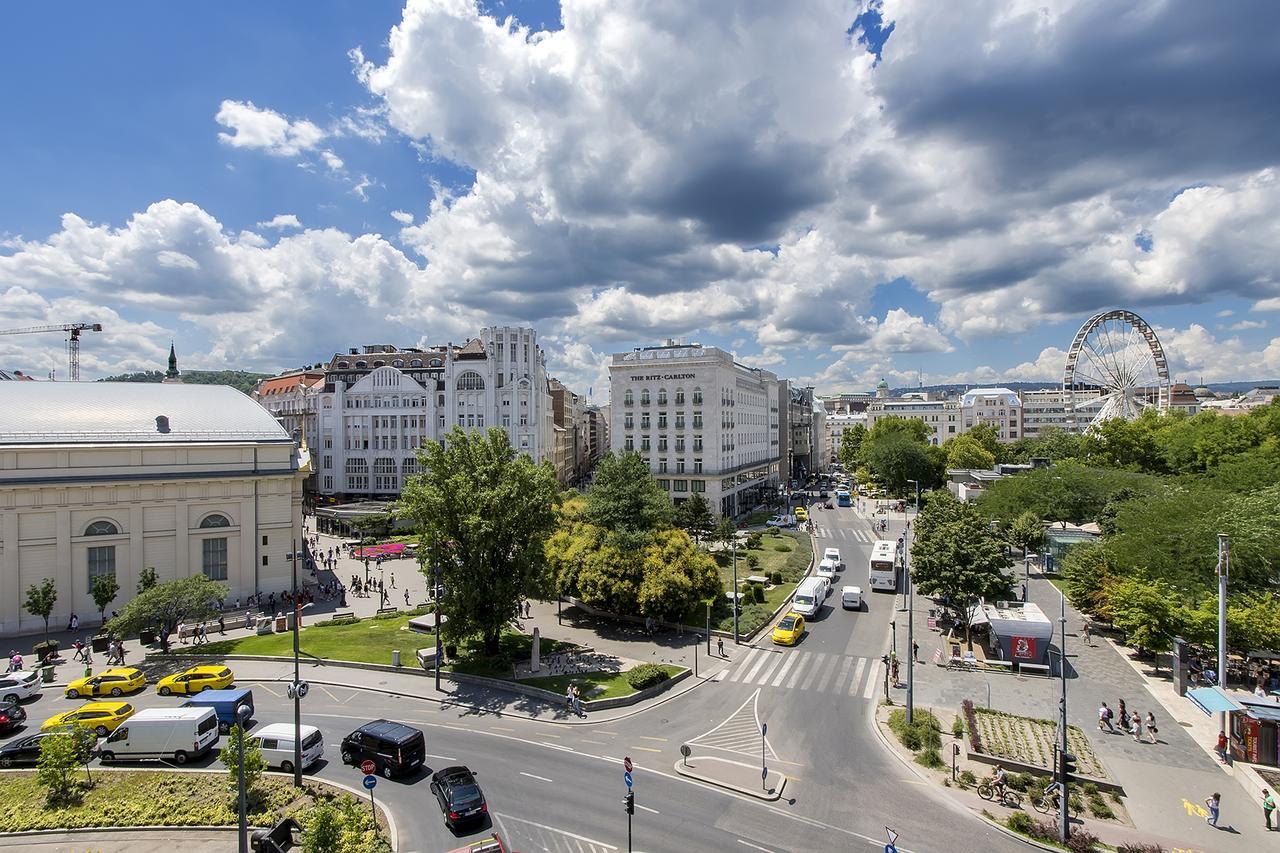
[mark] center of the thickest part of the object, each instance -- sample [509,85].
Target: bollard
[395,657]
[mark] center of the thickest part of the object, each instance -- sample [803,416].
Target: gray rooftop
[126,412]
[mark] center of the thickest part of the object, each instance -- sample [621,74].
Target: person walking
[893,671]
[915,651]
[577,701]
[1124,717]
[1268,808]
[720,646]
[1152,731]
[393,580]
[1137,726]
[1214,804]
[1221,748]
[1104,718]
[406,598]
[181,639]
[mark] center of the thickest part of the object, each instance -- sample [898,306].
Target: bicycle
[1048,804]
[988,791]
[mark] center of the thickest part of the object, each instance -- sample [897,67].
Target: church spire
[172,376]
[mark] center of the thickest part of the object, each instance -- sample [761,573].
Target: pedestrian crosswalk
[848,534]
[819,672]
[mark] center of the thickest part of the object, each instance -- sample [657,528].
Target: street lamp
[435,594]
[297,694]
[243,713]
[911,622]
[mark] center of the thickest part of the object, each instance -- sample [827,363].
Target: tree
[1125,444]
[60,755]
[676,574]
[104,589]
[850,451]
[896,458]
[146,579]
[164,605]
[986,436]
[1027,531]
[956,557]
[322,829]
[965,452]
[1067,492]
[254,763]
[484,514]
[694,515]
[1147,611]
[40,602]
[624,499]
[1087,577]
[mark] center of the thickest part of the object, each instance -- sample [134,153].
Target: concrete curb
[769,796]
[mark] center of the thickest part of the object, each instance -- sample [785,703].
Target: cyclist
[1052,795]
[998,782]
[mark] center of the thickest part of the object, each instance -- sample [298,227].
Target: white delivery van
[833,554]
[177,734]
[276,743]
[851,598]
[828,570]
[809,595]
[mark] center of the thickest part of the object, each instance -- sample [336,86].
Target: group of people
[573,700]
[1129,724]
[199,632]
[1214,805]
[15,661]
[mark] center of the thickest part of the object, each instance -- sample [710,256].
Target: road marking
[269,690]
[560,832]
[646,808]
[539,778]
[327,692]
[650,737]
[873,680]
[549,734]
[844,673]
[782,673]
[778,660]
[501,728]
[805,660]
[857,677]
[558,746]
[596,742]
[771,658]
[441,757]
[646,748]
[742,667]
[604,732]
[755,846]
[813,673]
[821,686]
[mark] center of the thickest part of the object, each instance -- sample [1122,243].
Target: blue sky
[269,183]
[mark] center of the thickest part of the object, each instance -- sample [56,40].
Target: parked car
[394,748]
[225,703]
[101,718]
[25,751]
[781,521]
[276,743]
[788,630]
[460,798]
[109,682]
[170,734]
[196,679]
[11,716]
[16,686]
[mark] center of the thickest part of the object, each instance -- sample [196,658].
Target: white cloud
[1225,312]
[402,216]
[266,129]
[1269,304]
[361,188]
[1244,325]
[281,221]
[333,161]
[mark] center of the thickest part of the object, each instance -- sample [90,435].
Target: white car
[833,554]
[16,686]
[851,597]
[828,570]
[781,521]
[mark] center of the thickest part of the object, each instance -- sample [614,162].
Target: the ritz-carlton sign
[662,377]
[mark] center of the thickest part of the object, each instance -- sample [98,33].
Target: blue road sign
[764,729]
[626,777]
[889,848]
[764,772]
[370,781]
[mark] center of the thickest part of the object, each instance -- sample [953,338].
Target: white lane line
[532,776]
[838,687]
[558,746]
[560,832]
[646,808]
[441,757]
[725,722]
[805,660]
[742,667]
[821,686]
[755,846]
[813,673]
[857,676]
[782,673]
[873,680]
[768,671]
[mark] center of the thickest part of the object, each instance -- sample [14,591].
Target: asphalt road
[559,788]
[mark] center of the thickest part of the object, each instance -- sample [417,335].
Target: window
[697,396]
[471,381]
[328,461]
[662,420]
[102,528]
[681,485]
[214,558]
[679,444]
[679,420]
[662,396]
[644,444]
[665,485]
[697,467]
[644,397]
[628,421]
[679,466]
[679,396]
[644,421]
[699,485]
[264,540]
[662,443]
[102,562]
[215,520]
[697,444]
[629,444]
[662,466]
[697,420]
[264,559]
[629,399]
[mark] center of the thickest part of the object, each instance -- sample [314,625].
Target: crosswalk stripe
[813,673]
[847,665]
[821,684]
[760,661]
[782,673]
[795,676]
[873,679]
[768,671]
[857,676]
[742,667]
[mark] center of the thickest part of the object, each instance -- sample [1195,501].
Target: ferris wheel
[1115,369]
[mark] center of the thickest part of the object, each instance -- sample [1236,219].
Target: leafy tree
[1051,443]
[914,429]
[896,458]
[166,604]
[146,579]
[104,589]
[725,531]
[694,515]
[322,829]
[624,499]
[850,450]
[41,600]
[987,436]
[965,452]
[1026,531]
[955,557]
[485,514]
[1128,445]
[1147,611]
[1067,492]
[1088,576]
[254,763]
[60,756]
[675,574]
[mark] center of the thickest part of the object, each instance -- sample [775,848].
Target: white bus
[882,572]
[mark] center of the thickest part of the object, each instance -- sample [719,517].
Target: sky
[836,191]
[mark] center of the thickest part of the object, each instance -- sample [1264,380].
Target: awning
[1263,712]
[1212,700]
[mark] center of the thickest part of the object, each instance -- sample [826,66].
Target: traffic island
[736,776]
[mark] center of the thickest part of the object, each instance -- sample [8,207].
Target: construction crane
[73,342]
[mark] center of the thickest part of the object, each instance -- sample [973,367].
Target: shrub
[1090,789]
[1138,847]
[753,561]
[957,727]
[967,777]
[344,620]
[1081,840]
[1098,808]
[775,578]
[782,548]
[1020,822]
[971,722]
[931,759]
[757,592]
[647,675]
[988,815]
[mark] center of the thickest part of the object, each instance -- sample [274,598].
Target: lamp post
[733,538]
[243,713]
[1224,558]
[1062,670]
[297,697]
[435,595]
[911,622]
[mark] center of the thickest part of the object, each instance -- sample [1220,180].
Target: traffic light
[1066,765]
[884,659]
[630,802]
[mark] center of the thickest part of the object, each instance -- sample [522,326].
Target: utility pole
[435,594]
[733,537]
[1224,557]
[242,714]
[1064,757]
[297,680]
[911,610]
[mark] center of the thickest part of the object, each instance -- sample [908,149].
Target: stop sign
[367,767]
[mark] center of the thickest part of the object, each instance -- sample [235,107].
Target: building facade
[997,407]
[109,478]
[944,418]
[1047,407]
[380,403]
[703,423]
[834,426]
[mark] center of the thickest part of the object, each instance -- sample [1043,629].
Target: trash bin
[147,636]
[99,642]
[46,674]
[281,626]
[395,657]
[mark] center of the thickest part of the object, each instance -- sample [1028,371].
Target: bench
[382,610]
[1036,668]
[760,579]
[1002,665]
[342,614]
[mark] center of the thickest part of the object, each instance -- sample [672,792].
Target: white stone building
[834,426]
[379,404]
[703,422]
[943,417]
[997,407]
[1047,407]
[109,478]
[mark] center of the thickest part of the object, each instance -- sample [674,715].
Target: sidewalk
[1165,782]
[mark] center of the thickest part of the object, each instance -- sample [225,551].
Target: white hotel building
[703,422]
[379,404]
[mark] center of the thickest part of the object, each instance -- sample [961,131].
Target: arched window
[417,362]
[360,365]
[629,399]
[679,396]
[343,365]
[644,397]
[697,396]
[471,381]
[102,528]
[435,362]
[397,363]
[215,520]
[662,396]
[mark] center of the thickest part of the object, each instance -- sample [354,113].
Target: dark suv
[11,716]
[394,748]
[460,798]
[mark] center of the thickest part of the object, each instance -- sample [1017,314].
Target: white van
[276,743]
[809,595]
[180,734]
[851,598]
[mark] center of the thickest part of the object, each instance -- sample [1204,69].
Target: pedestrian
[1088,633]
[1136,727]
[577,701]
[406,598]
[720,646]
[1221,747]
[181,639]
[528,609]
[568,698]
[222,624]
[1152,731]
[73,624]
[393,580]
[915,651]
[893,671]
[1124,717]
[1215,809]
[1268,808]
[1104,718]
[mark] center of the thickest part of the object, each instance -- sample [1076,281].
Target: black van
[394,748]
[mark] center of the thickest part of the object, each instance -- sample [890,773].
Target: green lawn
[792,564]
[614,683]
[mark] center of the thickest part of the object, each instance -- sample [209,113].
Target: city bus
[882,572]
[843,498]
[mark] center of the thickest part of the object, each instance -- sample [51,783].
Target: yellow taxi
[802,514]
[788,630]
[197,679]
[99,717]
[109,682]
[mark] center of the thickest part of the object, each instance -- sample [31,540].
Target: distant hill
[956,389]
[241,380]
